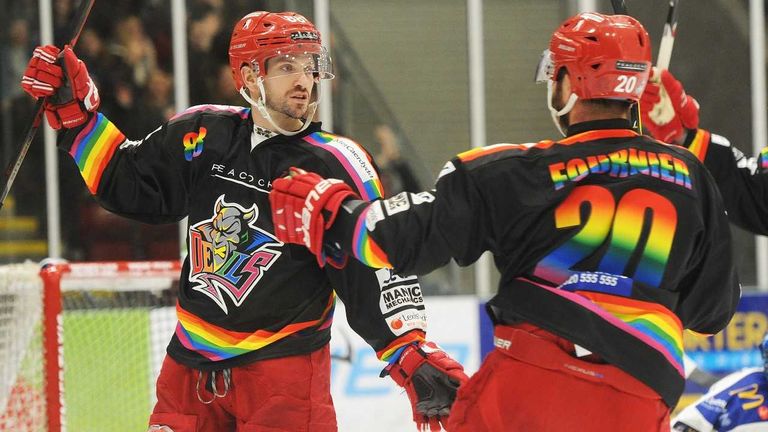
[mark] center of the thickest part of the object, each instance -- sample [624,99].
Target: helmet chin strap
[566,109]
[260,105]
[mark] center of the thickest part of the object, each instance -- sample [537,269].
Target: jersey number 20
[623,222]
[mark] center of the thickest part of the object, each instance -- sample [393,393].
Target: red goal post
[88,339]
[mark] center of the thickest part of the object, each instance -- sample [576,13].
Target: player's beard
[284,107]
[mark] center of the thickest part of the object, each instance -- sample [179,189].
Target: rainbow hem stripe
[653,324]
[700,144]
[216,343]
[93,148]
[651,319]
[365,249]
[355,162]
[764,158]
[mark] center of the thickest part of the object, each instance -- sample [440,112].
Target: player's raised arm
[742,180]
[145,180]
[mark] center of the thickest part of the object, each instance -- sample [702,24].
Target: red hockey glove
[304,205]
[666,110]
[64,79]
[430,378]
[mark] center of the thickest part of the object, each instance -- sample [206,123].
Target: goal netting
[81,344]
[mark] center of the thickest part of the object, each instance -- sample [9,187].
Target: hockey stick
[13,168]
[350,356]
[619,7]
[668,37]
[664,110]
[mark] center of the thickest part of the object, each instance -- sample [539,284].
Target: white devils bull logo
[228,253]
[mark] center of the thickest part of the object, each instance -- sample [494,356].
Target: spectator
[396,174]
[13,57]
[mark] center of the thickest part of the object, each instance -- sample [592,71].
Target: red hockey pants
[533,382]
[289,394]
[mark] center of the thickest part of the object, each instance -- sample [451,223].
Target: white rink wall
[365,402]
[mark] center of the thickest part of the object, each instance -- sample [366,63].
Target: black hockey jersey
[644,218]
[244,295]
[743,181]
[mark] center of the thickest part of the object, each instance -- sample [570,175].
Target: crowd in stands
[127,47]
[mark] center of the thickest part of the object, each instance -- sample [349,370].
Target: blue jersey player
[738,402]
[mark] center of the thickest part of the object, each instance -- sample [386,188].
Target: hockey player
[609,245]
[673,116]
[738,402]
[250,351]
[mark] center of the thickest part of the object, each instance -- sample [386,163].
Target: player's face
[289,83]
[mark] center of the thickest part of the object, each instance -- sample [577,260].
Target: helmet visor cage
[546,67]
[315,62]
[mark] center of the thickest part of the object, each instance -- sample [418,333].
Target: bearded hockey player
[250,351]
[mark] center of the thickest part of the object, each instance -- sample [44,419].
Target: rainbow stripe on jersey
[650,322]
[700,144]
[365,249]
[93,148]
[216,343]
[408,338]
[354,160]
[479,152]
[764,158]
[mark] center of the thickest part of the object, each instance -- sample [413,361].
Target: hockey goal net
[81,344]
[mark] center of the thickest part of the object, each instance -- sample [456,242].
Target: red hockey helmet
[260,36]
[606,56]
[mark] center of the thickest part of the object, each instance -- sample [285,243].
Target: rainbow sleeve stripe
[408,338]
[365,249]
[652,323]
[93,148]
[700,144]
[764,158]
[216,343]
[354,160]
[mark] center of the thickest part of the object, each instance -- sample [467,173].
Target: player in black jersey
[609,245]
[250,351]
[673,116]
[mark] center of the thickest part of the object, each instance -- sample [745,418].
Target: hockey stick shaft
[668,37]
[13,168]
[619,7]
